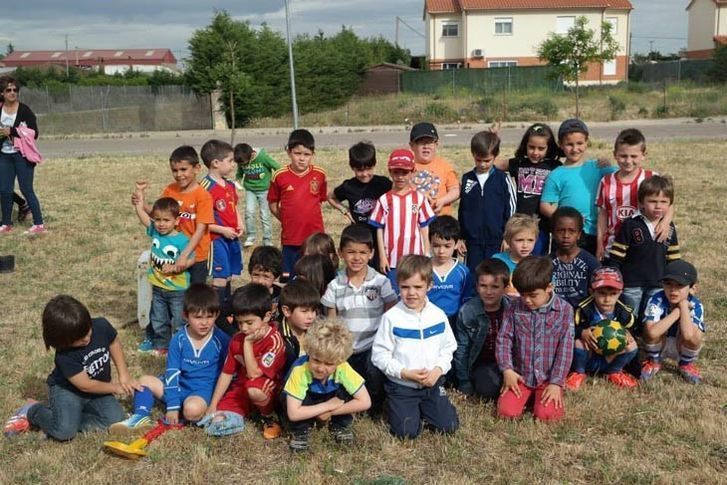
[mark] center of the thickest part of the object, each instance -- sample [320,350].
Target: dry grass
[666,431]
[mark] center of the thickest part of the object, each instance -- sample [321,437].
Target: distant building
[383,78]
[501,33]
[707,27]
[110,61]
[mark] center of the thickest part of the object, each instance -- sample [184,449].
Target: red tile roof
[441,6]
[109,56]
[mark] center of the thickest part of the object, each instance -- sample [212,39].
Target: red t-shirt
[299,197]
[269,354]
[195,207]
[224,203]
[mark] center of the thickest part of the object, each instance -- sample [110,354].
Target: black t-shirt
[362,197]
[94,358]
[530,179]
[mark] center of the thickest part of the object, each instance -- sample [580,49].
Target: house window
[450,30]
[564,24]
[503,26]
[451,65]
[614,24]
[502,64]
[609,68]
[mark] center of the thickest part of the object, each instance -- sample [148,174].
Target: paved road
[342,137]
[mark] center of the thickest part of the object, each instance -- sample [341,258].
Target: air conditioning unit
[478,53]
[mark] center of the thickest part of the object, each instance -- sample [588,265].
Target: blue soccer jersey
[659,307]
[192,371]
[451,290]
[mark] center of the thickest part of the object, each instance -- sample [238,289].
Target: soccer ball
[610,337]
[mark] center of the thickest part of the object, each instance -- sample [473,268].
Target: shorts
[237,400]
[226,258]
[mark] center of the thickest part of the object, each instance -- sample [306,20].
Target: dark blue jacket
[483,211]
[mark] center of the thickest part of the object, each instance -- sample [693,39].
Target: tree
[718,71]
[571,54]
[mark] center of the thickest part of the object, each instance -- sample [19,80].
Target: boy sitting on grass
[196,355]
[80,390]
[322,386]
[535,344]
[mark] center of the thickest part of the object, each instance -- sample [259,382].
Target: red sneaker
[690,373]
[649,369]
[574,381]
[622,379]
[18,422]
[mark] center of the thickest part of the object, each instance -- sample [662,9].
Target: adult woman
[12,163]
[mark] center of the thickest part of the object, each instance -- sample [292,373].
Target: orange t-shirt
[435,179]
[195,207]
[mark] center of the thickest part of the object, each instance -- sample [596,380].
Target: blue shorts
[226,258]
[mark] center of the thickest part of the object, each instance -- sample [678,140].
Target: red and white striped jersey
[401,217]
[619,200]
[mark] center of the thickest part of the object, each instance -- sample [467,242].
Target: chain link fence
[696,70]
[67,109]
[493,79]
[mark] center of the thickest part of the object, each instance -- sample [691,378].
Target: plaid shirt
[537,344]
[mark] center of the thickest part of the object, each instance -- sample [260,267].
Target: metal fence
[68,109]
[493,79]
[696,70]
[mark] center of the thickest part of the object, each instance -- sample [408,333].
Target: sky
[44,24]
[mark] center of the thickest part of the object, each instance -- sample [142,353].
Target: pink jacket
[25,144]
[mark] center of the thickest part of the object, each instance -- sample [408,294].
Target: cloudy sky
[43,24]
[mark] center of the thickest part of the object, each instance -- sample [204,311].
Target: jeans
[407,407]
[14,165]
[304,425]
[373,377]
[487,380]
[637,297]
[252,201]
[165,317]
[68,413]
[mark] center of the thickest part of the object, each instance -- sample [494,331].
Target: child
[165,316]
[80,388]
[195,209]
[228,226]
[363,190]
[401,217]
[453,284]
[295,196]
[322,386]
[534,159]
[434,177]
[413,347]
[476,329]
[299,302]
[265,267]
[251,376]
[317,270]
[521,232]
[636,251]
[360,295]
[575,184]
[535,344]
[572,266]
[487,201]
[674,323]
[254,170]
[195,359]
[321,243]
[604,303]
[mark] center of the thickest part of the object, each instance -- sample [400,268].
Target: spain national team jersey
[299,197]
[401,217]
[224,203]
[619,200]
[195,207]
[269,353]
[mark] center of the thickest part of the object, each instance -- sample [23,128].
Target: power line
[399,19]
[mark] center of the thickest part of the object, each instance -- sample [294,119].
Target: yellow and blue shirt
[300,381]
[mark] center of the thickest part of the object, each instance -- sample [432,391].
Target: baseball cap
[422,130]
[607,277]
[573,125]
[401,159]
[680,271]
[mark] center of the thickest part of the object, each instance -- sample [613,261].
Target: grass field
[663,432]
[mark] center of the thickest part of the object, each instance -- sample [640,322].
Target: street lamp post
[292,68]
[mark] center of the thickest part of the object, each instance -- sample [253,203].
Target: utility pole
[66,56]
[294,99]
[651,47]
[396,34]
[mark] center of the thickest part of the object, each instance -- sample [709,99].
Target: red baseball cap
[606,277]
[402,159]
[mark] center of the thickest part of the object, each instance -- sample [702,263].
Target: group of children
[550,250]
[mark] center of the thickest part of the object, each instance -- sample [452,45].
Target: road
[343,137]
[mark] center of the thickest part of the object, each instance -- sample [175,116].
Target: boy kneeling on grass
[323,386]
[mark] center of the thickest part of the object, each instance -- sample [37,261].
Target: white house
[707,27]
[497,33]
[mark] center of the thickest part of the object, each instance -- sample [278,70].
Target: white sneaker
[248,243]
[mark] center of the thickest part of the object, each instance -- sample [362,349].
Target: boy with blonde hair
[521,233]
[322,386]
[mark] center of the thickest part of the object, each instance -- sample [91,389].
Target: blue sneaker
[134,423]
[145,346]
